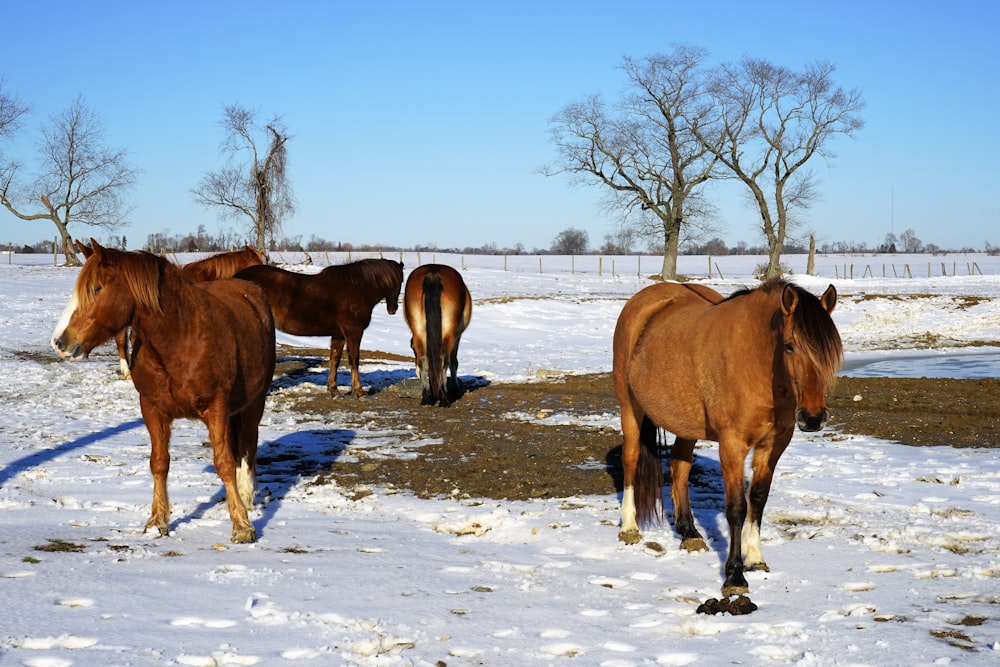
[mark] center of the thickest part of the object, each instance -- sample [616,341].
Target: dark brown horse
[336,302]
[215,267]
[203,350]
[742,371]
[437,307]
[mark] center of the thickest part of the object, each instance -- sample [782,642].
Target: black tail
[434,392]
[649,476]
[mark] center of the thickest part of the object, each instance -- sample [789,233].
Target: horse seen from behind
[201,350]
[437,307]
[742,371]
[336,302]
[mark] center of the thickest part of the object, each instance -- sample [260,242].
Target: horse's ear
[829,299]
[789,299]
[96,248]
[86,250]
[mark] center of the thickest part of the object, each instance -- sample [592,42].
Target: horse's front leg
[220,435]
[681,456]
[732,454]
[765,458]
[158,426]
[354,360]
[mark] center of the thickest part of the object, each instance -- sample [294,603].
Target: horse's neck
[153,325]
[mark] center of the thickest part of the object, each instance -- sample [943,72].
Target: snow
[879,553]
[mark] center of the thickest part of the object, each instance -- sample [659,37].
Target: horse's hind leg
[121,342]
[336,352]
[221,437]
[454,386]
[244,429]
[681,456]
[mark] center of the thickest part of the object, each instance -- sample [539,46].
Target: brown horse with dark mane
[215,267]
[202,350]
[437,307]
[336,302]
[743,371]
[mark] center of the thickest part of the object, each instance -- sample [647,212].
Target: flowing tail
[649,476]
[434,393]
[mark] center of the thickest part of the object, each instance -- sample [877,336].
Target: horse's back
[651,302]
[248,315]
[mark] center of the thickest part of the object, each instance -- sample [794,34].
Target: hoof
[244,535]
[161,527]
[630,536]
[694,544]
[756,567]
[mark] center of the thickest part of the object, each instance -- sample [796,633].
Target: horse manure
[654,549]
[737,607]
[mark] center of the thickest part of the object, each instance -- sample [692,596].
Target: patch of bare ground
[478,448]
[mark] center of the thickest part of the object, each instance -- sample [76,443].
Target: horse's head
[103,301]
[395,285]
[812,351]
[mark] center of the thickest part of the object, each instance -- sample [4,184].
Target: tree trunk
[69,248]
[671,240]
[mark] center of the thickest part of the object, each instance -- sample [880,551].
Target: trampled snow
[880,554]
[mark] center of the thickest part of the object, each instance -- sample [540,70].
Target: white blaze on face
[62,324]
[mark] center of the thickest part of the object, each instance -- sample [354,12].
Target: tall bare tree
[80,181]
[254,182]
[772,122]
[644,150]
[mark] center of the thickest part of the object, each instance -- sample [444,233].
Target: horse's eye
[96,290]
[789,347]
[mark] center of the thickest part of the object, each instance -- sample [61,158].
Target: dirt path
[483,452]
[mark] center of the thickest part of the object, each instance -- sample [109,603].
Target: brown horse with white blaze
[202,350]
[336,302]
[437,307]
[742,371]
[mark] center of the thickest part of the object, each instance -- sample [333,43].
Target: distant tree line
[570,241]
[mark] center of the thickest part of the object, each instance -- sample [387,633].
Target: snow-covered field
[880,554]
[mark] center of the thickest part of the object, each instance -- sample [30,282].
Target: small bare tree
[644,151]
[80,180]
[254,182]
[570,241]
[773,121]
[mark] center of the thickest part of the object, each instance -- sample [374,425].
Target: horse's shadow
[281,465]
[301,371]
[708,497]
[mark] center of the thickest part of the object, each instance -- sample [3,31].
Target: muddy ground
[479,452]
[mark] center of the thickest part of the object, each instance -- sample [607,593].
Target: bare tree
[254,182]
[910,241]
[12,110]
[570,241]
[773,121]
[80,180]
[644,151]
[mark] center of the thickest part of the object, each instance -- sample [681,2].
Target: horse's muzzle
[808,422]
[73,351]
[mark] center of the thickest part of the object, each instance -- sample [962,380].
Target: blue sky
[426,122]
